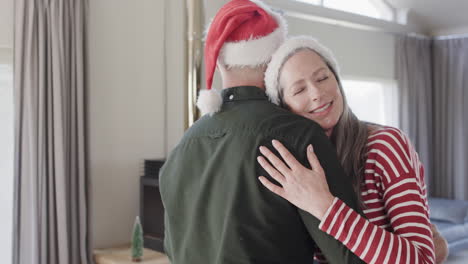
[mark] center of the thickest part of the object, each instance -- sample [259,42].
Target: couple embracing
[279,169]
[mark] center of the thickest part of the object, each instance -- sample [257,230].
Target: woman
[303,77]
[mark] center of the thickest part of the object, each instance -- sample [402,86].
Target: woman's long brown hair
[350,139]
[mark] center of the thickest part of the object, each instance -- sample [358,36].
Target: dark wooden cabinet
[151,213]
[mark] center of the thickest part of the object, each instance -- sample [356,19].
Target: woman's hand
[303,187]
[440,245]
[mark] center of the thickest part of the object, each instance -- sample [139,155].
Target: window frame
[387,11]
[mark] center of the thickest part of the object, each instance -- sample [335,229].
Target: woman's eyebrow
[296,83]
[318,70]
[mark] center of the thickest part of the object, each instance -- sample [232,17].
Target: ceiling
[439,17]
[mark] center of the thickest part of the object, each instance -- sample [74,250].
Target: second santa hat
[288,48]
[243,33]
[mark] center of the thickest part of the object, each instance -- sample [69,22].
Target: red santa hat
[243,33]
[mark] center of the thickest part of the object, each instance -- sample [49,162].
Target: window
[372,8]
[373,101]
[6,162]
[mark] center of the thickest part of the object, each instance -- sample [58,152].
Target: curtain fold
[450,89]
[51,201]
[432,77]
[413,73]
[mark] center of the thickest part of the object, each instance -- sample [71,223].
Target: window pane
[361,7]
[6,161]
[372,101]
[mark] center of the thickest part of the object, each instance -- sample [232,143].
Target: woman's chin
[326,123]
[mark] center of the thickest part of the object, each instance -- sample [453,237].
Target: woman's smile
[322,110]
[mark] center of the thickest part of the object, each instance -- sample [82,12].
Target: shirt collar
[243,93]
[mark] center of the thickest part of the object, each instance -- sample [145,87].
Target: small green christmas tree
[137,241]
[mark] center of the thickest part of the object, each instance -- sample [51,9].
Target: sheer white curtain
[6,161]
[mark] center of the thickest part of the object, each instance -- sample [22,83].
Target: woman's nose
[314,93]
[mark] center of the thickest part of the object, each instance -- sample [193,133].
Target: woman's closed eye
[321,79]
[299,90]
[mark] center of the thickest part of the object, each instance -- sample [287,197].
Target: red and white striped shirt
[397,228]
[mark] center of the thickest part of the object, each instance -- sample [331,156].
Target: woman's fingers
[275,161]
[272,171]
[272,187]
[313,160]
[286,155]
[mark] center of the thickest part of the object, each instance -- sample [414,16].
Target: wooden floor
[122,255]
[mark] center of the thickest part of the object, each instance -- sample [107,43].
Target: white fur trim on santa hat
[288,48]
[258,51]
[251,52]
[209,101]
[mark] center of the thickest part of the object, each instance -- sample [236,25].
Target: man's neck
[243,76]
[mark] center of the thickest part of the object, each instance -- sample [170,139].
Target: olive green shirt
[216,209]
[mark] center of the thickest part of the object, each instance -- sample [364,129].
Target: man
[216,210]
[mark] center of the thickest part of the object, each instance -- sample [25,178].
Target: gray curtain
[413,73]
[450,101]
[51,202]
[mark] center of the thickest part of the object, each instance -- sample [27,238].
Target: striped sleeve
[408,239]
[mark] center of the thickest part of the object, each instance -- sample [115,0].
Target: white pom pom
[209,101]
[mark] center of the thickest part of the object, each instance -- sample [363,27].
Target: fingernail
[310,149]
[274,141]
[262,148]
[259,159]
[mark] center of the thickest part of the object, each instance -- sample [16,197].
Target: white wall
[6,24]
[127,110]
[176,81]
[360,53]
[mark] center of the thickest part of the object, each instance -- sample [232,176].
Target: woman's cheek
[294,105]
